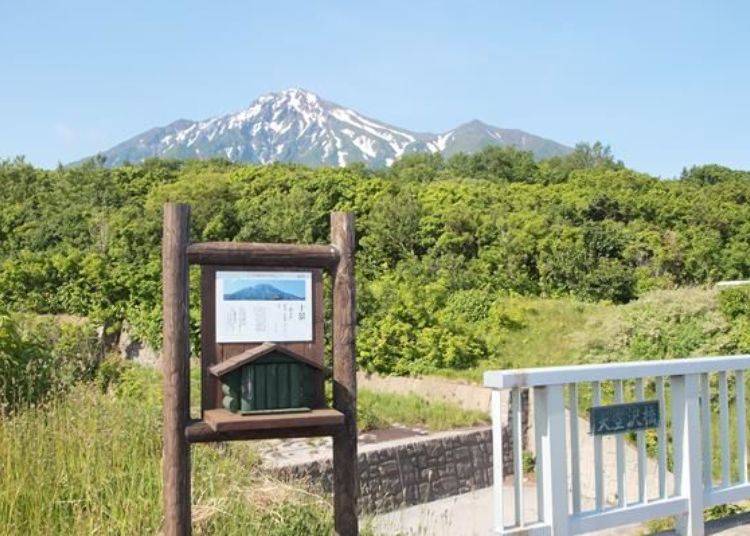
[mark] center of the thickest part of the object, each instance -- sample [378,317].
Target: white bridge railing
[681,445]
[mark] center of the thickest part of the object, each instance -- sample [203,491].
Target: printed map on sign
[264,307]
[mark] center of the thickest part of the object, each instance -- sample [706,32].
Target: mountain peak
[291,94]
[297,125]
[474,124]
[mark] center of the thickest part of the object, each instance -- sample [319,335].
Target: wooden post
[175,363]
[345,472]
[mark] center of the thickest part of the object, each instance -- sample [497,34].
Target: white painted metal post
[539,424]
[516,427]
[686,435]
[552,472]
[497,460]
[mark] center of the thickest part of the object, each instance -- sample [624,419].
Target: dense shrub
[439,240]
[735,302]
[40,357]
[662,325]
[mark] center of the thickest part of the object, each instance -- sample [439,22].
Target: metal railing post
[497,461]
[551,464]
[686,436]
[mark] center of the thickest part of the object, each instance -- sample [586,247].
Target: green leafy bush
[42,356]
[661,325]
[735,302]
[440,241]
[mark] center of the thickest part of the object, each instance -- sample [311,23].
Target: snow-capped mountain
[298,126]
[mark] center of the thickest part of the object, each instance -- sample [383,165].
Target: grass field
[551,335]
[661,325]
[381,410]
[89,463]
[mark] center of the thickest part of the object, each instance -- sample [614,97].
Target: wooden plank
[210,388]
[248,389]
[200,432]
[596,521]
[260,401]
[176,365]
[345,472]
[248,356]
[537,529]
[295,384]
[221,420]
[254,254]
[283,386]
[539,424]
[272,386]
[732,494]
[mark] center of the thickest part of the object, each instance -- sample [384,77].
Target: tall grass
[89,463]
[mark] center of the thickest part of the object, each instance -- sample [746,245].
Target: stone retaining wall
[414,470]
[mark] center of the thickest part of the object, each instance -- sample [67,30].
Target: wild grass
[383,410]
[549,335]
[89,463]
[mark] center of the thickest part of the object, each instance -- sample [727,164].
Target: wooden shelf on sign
[223,425]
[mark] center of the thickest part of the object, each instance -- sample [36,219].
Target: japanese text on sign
[619,418]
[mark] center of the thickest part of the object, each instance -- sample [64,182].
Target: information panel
[264,307]
[620,418]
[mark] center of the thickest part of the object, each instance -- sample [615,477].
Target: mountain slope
[262,292]
[298,126]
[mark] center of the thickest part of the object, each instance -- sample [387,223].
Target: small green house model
[269,378]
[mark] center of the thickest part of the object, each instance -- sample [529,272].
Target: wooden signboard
[213,315]
[262,353]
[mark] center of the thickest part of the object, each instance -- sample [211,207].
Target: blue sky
[666,84]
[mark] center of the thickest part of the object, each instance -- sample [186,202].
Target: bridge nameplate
[619,418]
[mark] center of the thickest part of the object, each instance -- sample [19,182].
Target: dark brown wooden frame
[339,422]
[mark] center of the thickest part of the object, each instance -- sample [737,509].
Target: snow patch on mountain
[296,125]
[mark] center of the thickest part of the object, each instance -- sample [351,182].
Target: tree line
[442,243]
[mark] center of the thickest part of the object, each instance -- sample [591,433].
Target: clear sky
[666,84]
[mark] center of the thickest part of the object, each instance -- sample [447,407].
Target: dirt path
[469,514]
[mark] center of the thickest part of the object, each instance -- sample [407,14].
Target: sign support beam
[345,473]
[176,355]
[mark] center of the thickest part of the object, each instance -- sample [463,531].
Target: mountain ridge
[296,125]
[263,291]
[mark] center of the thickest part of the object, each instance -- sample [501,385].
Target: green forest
[491,260]
[446,247]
